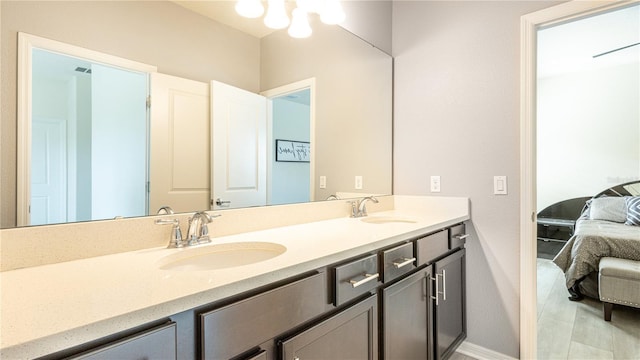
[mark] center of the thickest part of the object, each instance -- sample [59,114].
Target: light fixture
[310,6]
[331,12]
[250,8]
[299,24]
[276,15]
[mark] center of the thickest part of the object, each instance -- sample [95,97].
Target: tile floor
[459,356]
[577,330]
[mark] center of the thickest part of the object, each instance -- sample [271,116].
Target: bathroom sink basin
[220,256]
[386,220]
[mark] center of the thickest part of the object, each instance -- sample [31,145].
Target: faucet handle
[176,233]
[354,208]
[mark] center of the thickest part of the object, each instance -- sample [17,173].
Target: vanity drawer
[156,343]
[432,246]
[457,236]
[355,278]
[397,261]
[233,329]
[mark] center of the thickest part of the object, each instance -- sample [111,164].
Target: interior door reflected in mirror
[349,132]
[88,140]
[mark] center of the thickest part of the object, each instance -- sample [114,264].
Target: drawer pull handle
[367,278]
[444,287]
[437,292]
[403,262]
[461,236]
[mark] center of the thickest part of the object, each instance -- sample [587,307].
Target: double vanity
[387,285]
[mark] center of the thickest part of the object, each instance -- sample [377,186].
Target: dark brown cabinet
[350,334]
[406,318]
[450,315]
[158,343]
[404,301]
[234,329]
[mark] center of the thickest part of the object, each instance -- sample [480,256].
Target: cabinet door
[157,343]
[350,334]
[450,318]
[407,320]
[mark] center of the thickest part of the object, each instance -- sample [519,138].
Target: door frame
[26,44]
[529,24]
[310,84]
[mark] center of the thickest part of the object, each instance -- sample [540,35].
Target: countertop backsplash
[50,244]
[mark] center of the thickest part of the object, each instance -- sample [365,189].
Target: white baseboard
[481,353]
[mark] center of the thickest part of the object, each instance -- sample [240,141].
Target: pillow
[609,209]
[633,210]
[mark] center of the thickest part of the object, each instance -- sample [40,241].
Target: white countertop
[52,307]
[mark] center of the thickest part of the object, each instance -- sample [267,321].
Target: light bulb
[299,24]
[276,15]
[332,12]
[249,8]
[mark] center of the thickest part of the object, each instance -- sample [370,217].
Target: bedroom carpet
[577,330]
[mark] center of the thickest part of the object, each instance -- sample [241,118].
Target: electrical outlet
[435,183]
[323,182]
[358,184]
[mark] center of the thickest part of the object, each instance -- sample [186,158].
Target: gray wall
[456,114]
[353,103]
[370,20]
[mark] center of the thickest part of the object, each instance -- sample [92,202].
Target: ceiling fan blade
[614,50]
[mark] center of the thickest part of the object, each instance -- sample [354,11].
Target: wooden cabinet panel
[457,236]
[450,319]
[350,334]
[158,343]
[432,246]
[236,328]
[407,318]
[355,278]
[397,261]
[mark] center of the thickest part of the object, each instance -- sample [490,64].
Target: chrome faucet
[198,232]
[361,209]
[332,197]
[165,210]
[176,234]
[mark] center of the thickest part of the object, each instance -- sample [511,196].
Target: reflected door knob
[222,203]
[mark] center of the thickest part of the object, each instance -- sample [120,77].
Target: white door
[118,142]
[239,135]
[180,145]
[48,172]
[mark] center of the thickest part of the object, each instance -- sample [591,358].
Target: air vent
[83,70]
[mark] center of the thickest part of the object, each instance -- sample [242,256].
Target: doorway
[291,121]
[530,24]
[82,134]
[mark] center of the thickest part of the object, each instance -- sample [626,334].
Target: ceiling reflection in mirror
[351,135]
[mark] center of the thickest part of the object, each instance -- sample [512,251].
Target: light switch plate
[435,183]
[358,184]
[323,182]
[500,185]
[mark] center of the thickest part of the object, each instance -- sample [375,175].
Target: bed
[603,230]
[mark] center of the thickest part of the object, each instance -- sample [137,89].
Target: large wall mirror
[351,83]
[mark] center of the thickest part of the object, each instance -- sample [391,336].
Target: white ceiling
[223,11]
[570,47]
